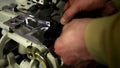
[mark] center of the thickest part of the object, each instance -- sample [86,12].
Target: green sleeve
[102,38]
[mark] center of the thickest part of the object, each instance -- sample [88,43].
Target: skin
[74,6]
[71,44]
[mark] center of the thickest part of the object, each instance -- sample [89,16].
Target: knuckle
[67,15]
[58,47]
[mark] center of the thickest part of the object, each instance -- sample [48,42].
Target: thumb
[69,14]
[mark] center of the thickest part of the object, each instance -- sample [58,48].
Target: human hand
[74,6]
[109,9]
[71,43]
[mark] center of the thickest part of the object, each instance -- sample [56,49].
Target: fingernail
[63,21]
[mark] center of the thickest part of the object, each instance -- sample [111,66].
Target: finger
[68,60]
[68,14]
[61,45]
[67,5]
[58,46]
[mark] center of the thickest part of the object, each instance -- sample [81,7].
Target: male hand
[71,44]
[74,6]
